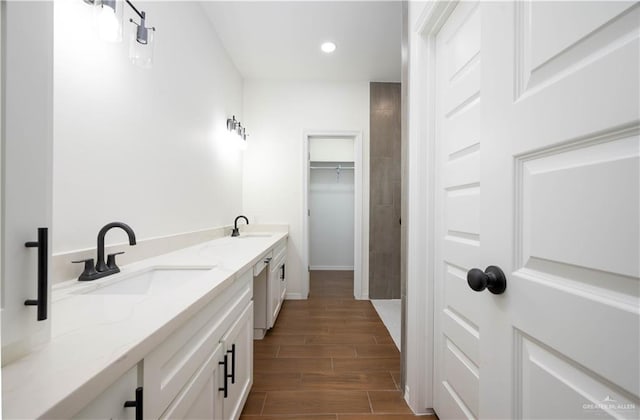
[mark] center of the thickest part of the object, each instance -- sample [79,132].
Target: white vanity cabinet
[186,375]
[270,288]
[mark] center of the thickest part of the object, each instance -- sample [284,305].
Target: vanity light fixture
[141,45]
[110,14]
[235,127]
[232,123]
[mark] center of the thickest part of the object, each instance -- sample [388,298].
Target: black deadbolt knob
[491,278]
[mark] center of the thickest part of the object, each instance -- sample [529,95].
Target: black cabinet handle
[225,388]
[233,363]
[137,404]
[282,273]
[43,283]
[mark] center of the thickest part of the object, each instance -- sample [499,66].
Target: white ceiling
[281,40]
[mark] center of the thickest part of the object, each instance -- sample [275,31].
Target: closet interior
[331,203]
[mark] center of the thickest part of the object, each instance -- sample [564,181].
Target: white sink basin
[150,281]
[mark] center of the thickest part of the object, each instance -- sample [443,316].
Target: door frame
[361,220]
[1,159]
[420,318]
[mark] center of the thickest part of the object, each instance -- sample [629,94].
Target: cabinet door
[273,294]
[276,291]
[110,403]
[201,397]
[238,343]
[27,149]
[283,282]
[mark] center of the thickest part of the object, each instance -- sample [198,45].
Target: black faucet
[102,269]
[236,232]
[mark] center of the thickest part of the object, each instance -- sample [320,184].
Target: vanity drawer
[280,250]
[110,403]
[262,263]
[170,366]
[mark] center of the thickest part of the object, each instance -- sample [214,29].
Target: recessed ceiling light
[328,47]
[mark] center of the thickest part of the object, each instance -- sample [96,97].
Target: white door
[538,132]
[27,143]
[458,144]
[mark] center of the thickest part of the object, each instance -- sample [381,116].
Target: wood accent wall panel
[385,191]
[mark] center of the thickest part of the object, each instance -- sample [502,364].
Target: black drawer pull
[43,283]
[233,363]
[137,403]
[225,388]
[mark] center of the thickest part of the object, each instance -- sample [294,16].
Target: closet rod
[331,167]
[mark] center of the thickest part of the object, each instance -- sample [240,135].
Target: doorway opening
[333,208]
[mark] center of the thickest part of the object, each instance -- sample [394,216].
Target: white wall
[331,201]
[331,149]
[146,147]
[277,114]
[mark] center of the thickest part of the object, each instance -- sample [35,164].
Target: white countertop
[97,338]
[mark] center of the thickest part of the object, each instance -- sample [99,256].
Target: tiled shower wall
[385,191]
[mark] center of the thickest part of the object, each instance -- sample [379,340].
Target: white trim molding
[420,213]
[361,247]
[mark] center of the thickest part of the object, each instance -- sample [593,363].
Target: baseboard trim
[294,296]
[422,412]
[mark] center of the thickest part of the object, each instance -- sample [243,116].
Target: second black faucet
[236,232]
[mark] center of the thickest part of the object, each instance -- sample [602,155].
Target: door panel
[551,386]
[462,133]
[564,190]
[463,375]
[461,211]
[461,301]
[592,331]
[555,40]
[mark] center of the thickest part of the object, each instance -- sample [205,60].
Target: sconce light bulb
[110,4]
[328,47]
[110,20]
[231,123]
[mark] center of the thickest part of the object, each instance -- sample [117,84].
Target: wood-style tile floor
[328,358]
